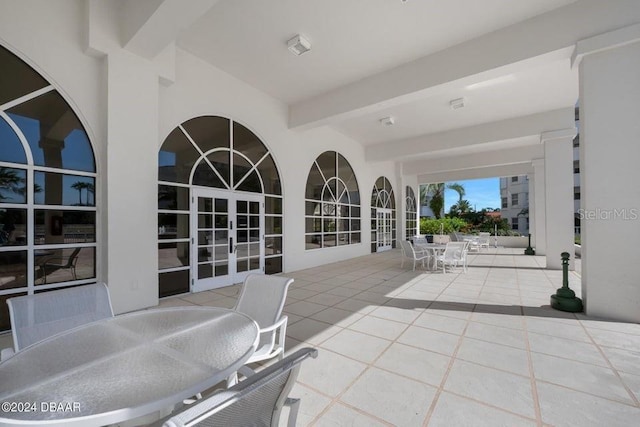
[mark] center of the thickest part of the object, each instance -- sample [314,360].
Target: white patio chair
[262,298]
[256,401]
[484,240]
[454,255]
[409,252]
[39,316]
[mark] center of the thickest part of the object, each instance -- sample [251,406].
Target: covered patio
[484,348]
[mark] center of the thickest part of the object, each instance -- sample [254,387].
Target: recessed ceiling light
[387,121]
[299,45]
[457,103]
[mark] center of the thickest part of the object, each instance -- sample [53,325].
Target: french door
[227,237]
[384,229]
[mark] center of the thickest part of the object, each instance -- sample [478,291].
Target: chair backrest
[39,316]
[256,401]
[421,240]
[407,249]
[455,250]
[262,298]
[71,261]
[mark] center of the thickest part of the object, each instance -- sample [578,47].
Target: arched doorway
[383,216]
[219,206]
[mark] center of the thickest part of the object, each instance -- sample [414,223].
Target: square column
[609,173]
[532,209]
[131,182]
[536,195]
[558,159]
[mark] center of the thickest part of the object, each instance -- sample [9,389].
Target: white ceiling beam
[457,139]
[538,40]
[149,26]
[478,173]
[475,160]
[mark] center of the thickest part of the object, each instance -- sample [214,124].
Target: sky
[481,193]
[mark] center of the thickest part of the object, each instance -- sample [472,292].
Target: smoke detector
[387,121]
[298,45]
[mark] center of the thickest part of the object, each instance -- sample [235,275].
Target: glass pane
[205,204]
[344,211]
[355,212]
[242,265]
[343,239]
[329,240]
[13,227]
[206,177]
[273,205]
[173,198]
[205,221]
[173,226]
[327,163]
[26,79]
[345,172]
[222,252]
[273,245]
[222,237]
[392,200]
[205,271]
[222,221]
[273,224]
[273,265]
[205,238]
[329,193]
[242,250]
[254,235]
[13,269]
[254,263]
[329,225]
[222,205]
[247,143]
[254,207]
[13,185]
[242,206]
[313,225]
[55,135]
[64,265]
[173,283]
[54,226]
[222,269]
[315,184]
[243,221]
[380,183]
[355,225]
[176,158]
[205,254]
[355,238]
[241,167]
[270,176]
[313,208]
[12,150]
[208,132]
[254,221]
[175,254]
[313,241]
[251,183]
[220,161]
[242,236]
[67,190]
[375,201]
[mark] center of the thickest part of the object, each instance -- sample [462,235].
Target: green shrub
[449,225]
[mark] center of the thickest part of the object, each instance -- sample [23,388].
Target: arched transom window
[47,188]
[332,203]
[219,236]
[410,214]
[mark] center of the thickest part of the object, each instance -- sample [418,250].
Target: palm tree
[9,180]
[460,208]
[91,189]
[79,185]
[433,195]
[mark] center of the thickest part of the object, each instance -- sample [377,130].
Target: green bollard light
[565,299]
[529,250]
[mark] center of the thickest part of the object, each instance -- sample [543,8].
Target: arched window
[219,206]
[332,203]
[383,216]
[410,214]
[47,188]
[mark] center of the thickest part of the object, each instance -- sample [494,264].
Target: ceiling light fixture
[457,103]
[387,121]
[299,45]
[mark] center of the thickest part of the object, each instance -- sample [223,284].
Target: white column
[540,213]
[131,182]
[610,173]
[558,159]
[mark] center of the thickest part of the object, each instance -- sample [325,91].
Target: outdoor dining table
[124,367]
[435,248]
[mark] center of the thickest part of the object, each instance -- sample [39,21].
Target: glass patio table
[124,367]
[434,248]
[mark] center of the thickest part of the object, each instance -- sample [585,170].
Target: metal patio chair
[409,252]
[256,401]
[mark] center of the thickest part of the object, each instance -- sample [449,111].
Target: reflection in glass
[173,226]
[55,135]
[327,163]
[13,227]
[173,283]
[173,254]
[67,190]
[65,264]
[273,224]
[12,150]
[273,245]
[270,176]
[13,185]
[273,265]
[176,158]
[56,226]
[273,205]
[251,183]
[220,161]
[208,132]
[13,269]
[206,177]
[173,198]
[247,143]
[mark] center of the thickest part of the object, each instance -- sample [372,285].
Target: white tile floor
[406,348]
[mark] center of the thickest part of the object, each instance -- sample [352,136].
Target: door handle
[231,245]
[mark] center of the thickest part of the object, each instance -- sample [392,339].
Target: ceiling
[355,39]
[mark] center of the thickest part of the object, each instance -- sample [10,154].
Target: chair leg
[294,405]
